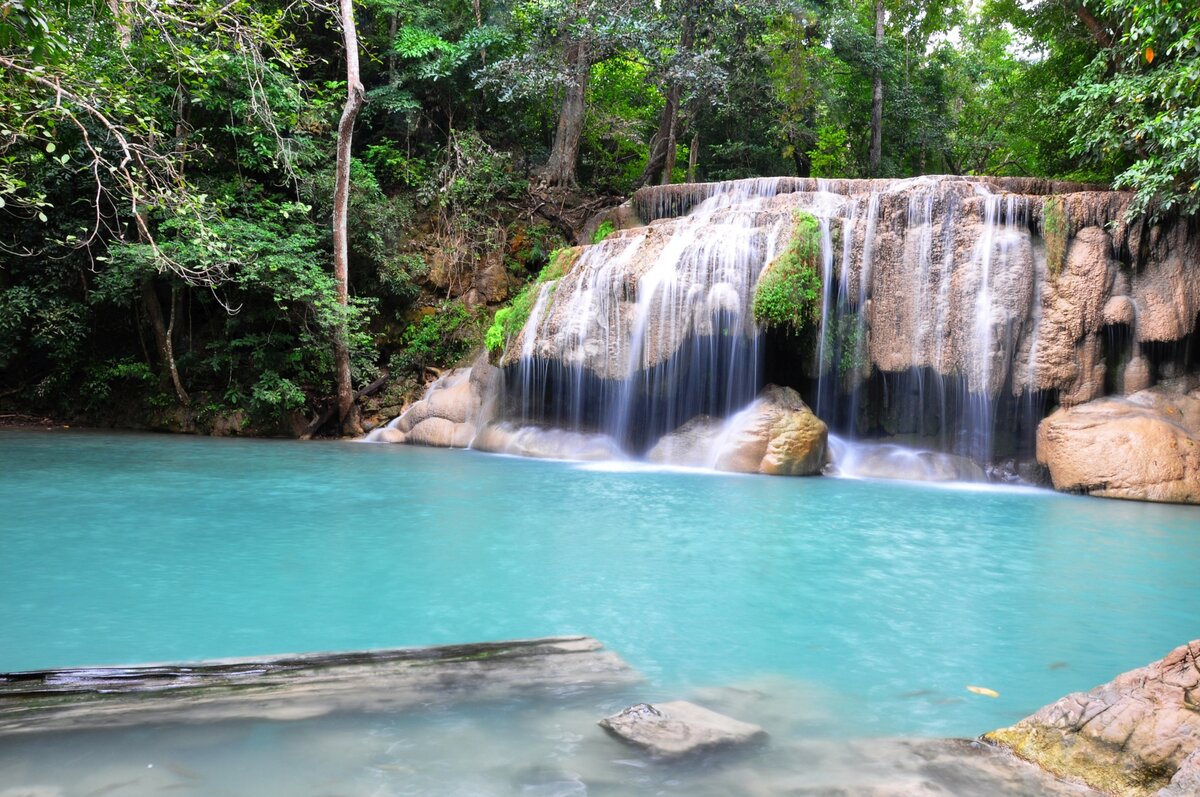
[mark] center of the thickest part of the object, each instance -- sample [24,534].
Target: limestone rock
[1145,447]
[1134,736]
[679,728]
[451,411]
[778,435]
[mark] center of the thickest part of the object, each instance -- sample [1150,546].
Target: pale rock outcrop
[1145,446]
[1136,736]
[451,411]
[692,445]
[679,728]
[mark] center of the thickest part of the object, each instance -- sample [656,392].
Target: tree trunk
[693,157]
[347,411]
[877,100]
[660,160]
[163,335]
[121,20]
[564,155]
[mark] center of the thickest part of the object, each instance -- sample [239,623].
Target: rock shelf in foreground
[301,686]
[1136,736]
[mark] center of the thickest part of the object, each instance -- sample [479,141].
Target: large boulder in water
[1136,736]
[1145,447]
[778,435]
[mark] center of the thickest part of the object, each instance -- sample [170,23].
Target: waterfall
[931,331]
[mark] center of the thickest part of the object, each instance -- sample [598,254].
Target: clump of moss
[1055,232]
[789,291]
[511,319]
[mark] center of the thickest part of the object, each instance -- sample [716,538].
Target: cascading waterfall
[930,335]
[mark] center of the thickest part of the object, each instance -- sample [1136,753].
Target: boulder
[1144,447]
[679,728]
[1136,736]
[440,433]
[778,435]
[691,445]
[451,411]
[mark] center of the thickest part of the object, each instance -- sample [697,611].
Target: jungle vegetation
[236,209]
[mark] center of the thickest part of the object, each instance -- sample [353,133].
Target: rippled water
[843,609]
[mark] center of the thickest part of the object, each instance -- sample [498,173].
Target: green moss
[1056,233]
[789,291]
[510,320]
[605,229]
[1102,766]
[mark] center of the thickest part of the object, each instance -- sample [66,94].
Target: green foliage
[788,294]
[1139,101]
[830,157]
[605,229]
[510,320]
[441,337]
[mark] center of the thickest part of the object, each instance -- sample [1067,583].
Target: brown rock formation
[1145,446]
[1136,736]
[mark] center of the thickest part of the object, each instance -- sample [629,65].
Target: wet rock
[1136,736]
[890,461]
[679,728]
[1145,447]
[691,445]
[546,443]
[451,411]
[777,435]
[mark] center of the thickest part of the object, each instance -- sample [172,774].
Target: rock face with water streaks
[1145,446]
[1136,736]
[991,291]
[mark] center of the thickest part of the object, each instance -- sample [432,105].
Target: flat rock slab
[1135,736]
[679,728]
[302,686]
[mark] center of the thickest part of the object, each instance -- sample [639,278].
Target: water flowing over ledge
[954,314]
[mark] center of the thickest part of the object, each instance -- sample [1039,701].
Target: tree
[877,98]
[355,93]
[1140,99]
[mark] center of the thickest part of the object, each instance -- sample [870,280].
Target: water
[835,609]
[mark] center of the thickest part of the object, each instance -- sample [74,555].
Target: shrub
[788,294]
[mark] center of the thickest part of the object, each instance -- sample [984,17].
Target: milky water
[828,610]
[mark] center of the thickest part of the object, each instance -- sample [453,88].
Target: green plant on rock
[788,295]
[1056,233]
[511,319]
[605,229]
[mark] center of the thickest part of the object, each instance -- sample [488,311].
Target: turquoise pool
[872,604]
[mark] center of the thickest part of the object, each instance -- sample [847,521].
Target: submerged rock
[1145,446]
[1136,736]
[679,728]
[890,461]
[546,443]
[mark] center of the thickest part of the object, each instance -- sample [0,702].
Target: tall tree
[355,95]
[876,156]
